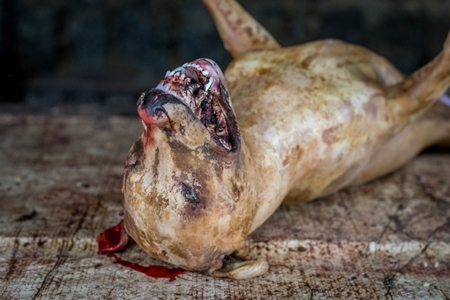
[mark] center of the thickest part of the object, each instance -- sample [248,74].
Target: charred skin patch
[156,163]
[189,193]
[189,182]
[135,155]
[182,129]
[198,199]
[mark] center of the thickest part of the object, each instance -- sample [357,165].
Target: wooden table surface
[60,185]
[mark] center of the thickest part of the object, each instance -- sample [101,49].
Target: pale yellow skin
[313,119]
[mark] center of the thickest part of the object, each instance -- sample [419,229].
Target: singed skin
[315,117]
[304,122]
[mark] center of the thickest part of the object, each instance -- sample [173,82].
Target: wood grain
[60,185]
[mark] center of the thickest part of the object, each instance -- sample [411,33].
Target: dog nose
[151,107]
[151,101]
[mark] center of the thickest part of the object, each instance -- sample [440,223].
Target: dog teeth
[177,71]
[208,84]
[181,70]
[225,144]
[198,67]
[194,66]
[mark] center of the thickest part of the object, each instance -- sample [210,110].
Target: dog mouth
[200,85]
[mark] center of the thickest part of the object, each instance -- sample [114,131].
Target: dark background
[55,52]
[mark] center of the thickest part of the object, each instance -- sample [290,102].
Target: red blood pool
[115,239]
[153,271]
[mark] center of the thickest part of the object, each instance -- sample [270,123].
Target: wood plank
[60,185]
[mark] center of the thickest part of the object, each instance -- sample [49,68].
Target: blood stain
[153,271]
[115,239]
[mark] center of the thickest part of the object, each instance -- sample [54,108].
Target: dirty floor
[60,185]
